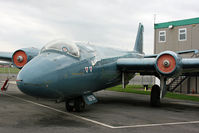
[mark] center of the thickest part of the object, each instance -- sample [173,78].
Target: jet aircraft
[71,72]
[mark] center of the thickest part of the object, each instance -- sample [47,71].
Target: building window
[162,36]
[182,34]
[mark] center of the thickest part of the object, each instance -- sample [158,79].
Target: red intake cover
[23,61]
[170,67]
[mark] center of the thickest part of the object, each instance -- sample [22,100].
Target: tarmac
[115,112]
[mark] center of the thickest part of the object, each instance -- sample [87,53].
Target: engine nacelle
[168,64]
[23,56]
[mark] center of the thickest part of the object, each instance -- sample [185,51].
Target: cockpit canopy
[62,46]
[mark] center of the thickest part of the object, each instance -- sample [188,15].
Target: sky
[112,23]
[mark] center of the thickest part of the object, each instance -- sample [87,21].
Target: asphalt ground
[115,112]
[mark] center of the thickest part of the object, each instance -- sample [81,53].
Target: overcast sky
[27,23]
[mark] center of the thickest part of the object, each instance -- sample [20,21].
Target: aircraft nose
[35,77]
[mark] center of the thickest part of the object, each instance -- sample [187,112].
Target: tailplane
[139,39]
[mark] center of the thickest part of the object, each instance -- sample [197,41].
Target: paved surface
[115,112]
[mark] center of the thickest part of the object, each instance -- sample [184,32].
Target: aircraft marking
[103,124]
[90,68]
[81,73]
[86,69]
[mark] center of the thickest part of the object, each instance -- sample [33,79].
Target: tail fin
[139,39]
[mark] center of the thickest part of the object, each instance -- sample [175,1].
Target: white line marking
[41,105]
[161,124]
[103,124]
[12,82]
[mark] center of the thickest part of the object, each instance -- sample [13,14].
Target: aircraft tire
[155,96]
[69,108]
[79,104]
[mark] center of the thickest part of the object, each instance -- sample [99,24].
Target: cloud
[26,23]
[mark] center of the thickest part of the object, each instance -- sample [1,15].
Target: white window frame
[163,31]
[179,33]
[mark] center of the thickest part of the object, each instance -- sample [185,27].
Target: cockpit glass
[63,46]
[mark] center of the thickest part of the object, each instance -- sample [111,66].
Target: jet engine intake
[168,64]
[23,56]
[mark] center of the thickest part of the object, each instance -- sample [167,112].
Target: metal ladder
[175,82]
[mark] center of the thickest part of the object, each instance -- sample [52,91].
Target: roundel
[20,58]
[166,63]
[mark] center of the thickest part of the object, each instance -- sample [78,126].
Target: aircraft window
[63,46]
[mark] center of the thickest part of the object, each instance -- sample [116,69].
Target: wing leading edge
[194,51]
[137,65]
[166,64]
[6,56]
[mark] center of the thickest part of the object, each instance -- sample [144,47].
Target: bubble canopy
[62,46]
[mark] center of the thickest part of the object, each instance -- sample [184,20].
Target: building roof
[177,23]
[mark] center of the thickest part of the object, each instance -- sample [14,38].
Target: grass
[134,89]
[182,96]
[130,89]
[6,70]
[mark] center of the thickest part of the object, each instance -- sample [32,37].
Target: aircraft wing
[19,57]
[165,64]
[194,51]
[5,58]
[137,65]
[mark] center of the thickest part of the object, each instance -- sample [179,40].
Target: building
[142,80]
[178,36]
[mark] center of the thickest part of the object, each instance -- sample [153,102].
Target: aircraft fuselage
[54,74]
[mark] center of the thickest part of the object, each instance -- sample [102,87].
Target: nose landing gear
[75,105]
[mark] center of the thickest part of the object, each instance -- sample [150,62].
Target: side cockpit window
[62,46]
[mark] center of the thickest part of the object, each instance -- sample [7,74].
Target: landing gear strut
[155,96]
[76,105]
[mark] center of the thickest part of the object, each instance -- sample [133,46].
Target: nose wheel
[155,96]
[75,105]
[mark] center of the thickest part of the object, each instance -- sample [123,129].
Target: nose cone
[38,77]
